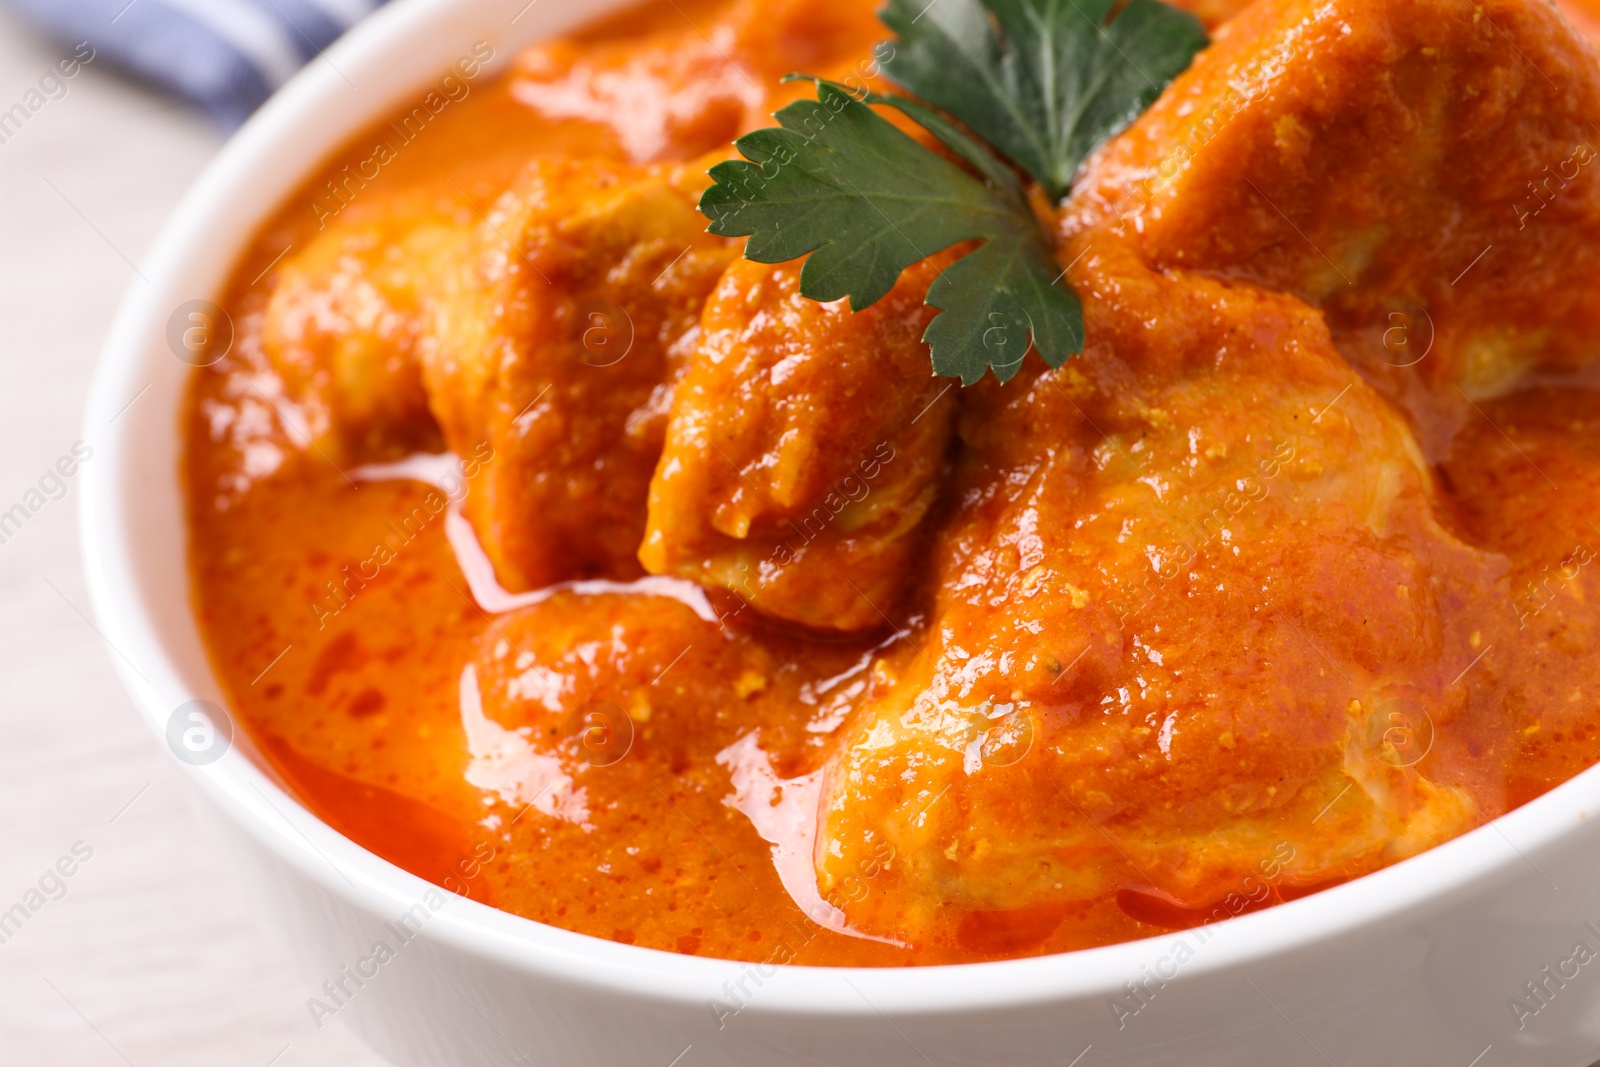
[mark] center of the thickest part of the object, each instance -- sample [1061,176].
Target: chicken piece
[1426,165]
[659,657]
[1194,615]
[1541,450]
[574,677]
[685,83]
[606,720]
[803,448]
[557,339]
[345,324]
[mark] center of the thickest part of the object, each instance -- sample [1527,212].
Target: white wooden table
[149,956]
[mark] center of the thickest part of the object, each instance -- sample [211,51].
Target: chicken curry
[553,550]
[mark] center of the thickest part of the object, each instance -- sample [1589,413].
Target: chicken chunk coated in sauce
[347,322]
[1193,575]
[577,709]
[803,450]
[1424,172]
[556,341]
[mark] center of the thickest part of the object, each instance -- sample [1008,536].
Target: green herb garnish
[1043,82]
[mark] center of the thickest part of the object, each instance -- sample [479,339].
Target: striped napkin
[225,55]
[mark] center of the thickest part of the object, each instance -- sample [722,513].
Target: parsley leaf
[1043,81]
[837,181]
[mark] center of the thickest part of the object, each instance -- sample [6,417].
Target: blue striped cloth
[225,55]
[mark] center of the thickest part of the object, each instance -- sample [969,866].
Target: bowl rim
[1465,866]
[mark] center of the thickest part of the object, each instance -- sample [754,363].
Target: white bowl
[1419,963]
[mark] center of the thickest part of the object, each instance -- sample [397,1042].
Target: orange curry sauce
[1165,757]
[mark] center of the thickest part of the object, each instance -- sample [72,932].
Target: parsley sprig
[1043,82]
